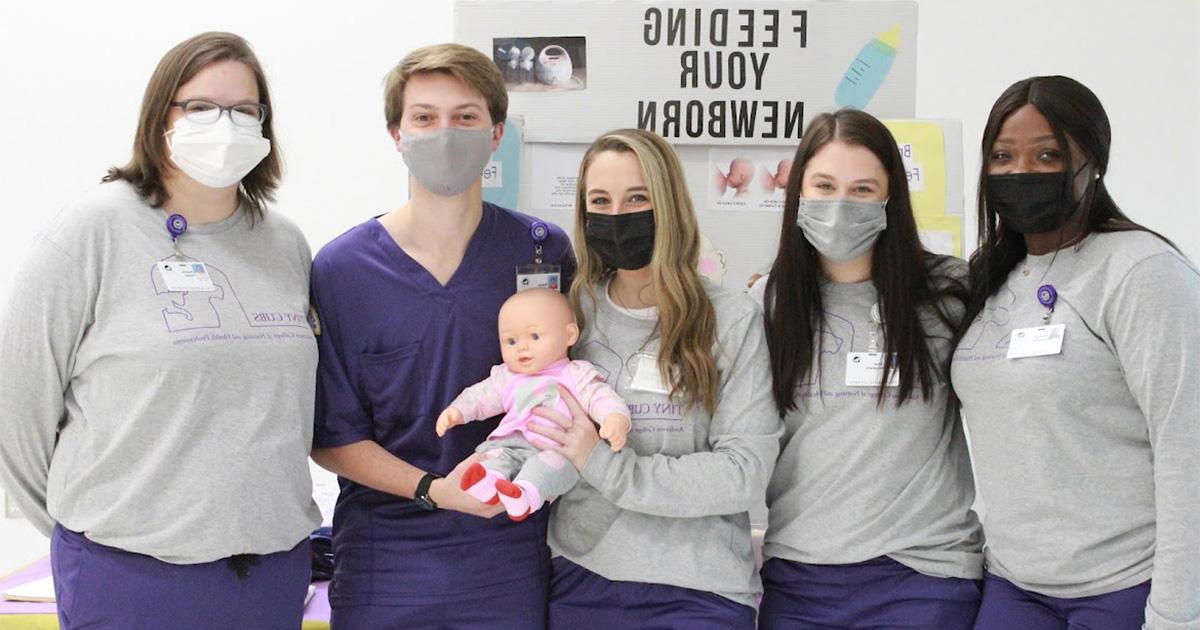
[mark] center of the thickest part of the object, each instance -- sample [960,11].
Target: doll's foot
[479,484]
[513,498]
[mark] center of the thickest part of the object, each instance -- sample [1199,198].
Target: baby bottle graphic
[868,70]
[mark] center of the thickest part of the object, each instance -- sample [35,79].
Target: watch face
[425,503]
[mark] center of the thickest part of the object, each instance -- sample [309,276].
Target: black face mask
[1031,203]
[623,241]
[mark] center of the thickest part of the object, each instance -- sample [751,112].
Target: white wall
[1141,58]
[71,82]
[72,75]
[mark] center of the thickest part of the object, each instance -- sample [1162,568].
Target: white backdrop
[72,76]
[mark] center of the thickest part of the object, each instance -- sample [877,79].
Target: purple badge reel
[182,275]
[539,275]
[1047,297]
[176,225]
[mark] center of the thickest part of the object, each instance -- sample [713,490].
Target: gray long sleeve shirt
[672,507]
[1088,461]
[856,480]
[172,424]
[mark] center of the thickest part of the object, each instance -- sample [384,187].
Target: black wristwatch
[421,496]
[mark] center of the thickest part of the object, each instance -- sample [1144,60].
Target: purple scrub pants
[100,587]
[1005,605]
[513,606]
[582,599]
[878,593]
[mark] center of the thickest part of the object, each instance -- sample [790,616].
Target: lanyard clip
[176,226]
[538,232]
[1047,296]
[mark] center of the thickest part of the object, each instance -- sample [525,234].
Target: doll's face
[536,328]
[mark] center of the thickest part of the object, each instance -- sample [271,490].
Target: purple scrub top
[395,348]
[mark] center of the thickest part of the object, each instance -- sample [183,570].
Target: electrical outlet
[10,509]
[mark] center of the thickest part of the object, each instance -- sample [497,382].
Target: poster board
[700,72]
[558,123]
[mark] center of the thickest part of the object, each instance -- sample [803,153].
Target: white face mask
[447,161]
[842,229]
[217,154]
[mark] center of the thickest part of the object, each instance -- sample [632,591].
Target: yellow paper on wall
[923,150]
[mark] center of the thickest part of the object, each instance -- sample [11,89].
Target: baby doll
[536,329]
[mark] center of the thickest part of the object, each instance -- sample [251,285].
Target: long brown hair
[150,160]
[686,318]
[905,276]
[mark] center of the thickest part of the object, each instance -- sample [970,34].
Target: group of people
[173,352]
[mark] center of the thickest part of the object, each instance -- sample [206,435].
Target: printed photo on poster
[748,179]
[542,64]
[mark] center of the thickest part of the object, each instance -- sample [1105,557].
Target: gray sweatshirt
[672,507]
[857,481]
[1088,461]
[172,424]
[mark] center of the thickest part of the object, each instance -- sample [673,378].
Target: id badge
[865,369]
[185,275]
[646,377]
[539,277]
[1036,342]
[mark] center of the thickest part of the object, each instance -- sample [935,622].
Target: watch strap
[421,495]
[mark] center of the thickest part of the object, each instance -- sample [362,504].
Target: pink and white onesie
[542,475]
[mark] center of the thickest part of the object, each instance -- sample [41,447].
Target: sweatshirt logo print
[996,315]
[187,310]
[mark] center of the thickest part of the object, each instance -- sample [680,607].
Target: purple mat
[35,571]
[317,609]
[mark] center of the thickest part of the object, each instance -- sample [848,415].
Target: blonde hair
[686,318]
[183,62]
[464,63]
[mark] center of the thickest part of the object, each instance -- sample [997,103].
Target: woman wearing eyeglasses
[156,396]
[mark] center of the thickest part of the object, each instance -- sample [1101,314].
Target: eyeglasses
[205,112]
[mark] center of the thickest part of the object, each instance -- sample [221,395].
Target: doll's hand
[451,417]
[614,429]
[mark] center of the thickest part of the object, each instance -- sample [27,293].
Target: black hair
[1074,112]
[905,275]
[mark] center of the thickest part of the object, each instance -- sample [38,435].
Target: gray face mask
[447,161]
[842,229]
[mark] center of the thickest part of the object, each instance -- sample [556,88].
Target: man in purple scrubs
[407,305]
